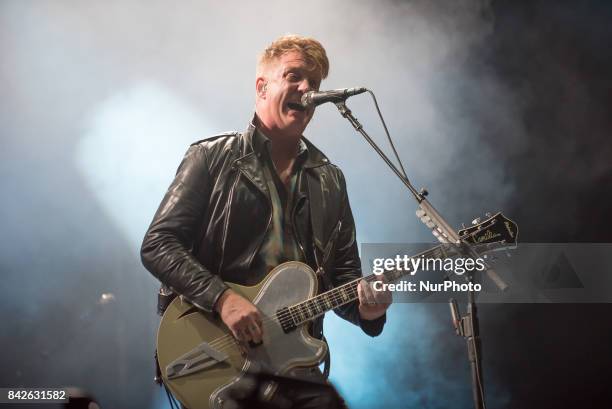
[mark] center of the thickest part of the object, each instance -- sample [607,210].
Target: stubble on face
[285,80]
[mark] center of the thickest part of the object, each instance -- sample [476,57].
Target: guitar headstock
[495,231]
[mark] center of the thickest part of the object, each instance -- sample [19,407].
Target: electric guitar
[200,360]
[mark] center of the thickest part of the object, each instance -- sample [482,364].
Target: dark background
[557,355]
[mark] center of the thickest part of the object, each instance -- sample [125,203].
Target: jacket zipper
[227,219]
[250,259]
[296,232]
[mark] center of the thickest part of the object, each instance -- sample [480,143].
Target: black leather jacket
[214,216]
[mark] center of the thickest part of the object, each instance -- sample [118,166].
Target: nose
[305,86]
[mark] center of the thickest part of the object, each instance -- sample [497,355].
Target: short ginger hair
[312,51]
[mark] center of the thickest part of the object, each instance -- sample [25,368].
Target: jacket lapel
[249,163]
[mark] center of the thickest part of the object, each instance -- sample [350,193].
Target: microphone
[315,98]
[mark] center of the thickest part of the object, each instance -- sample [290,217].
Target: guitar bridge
[199,358]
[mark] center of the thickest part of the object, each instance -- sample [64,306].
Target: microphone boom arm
[442,225]
[469,324]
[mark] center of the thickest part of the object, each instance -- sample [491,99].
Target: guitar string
[351,288]
[343,294]
[340,295]
[321,298]
[222,342]
[350,293]
[230,341]
[287,317]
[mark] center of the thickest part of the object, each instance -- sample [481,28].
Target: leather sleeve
[347,267]
[167,246]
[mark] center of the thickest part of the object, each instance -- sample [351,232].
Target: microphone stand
[465,326]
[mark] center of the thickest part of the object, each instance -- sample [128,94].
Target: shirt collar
[261,143]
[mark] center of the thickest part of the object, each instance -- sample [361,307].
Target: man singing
[243,203]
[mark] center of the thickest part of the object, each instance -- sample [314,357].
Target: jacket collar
[249,161]
[254,147]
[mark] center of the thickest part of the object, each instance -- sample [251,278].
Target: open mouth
[296,106]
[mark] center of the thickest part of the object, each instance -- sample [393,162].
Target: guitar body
[200,361]
[184,327]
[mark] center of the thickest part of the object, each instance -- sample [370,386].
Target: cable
[173,403]
[388,135]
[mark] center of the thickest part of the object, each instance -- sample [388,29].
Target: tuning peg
[463,226]
[425,219]
[428,222]
[420,212]
[440,232]
[439,236]
[423,192]
[488,214]
[476,221]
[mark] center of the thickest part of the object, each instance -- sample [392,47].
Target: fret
[336,297]
[291,314]
[311,309]
[307,312]
[327,301]
[302,312]
[333,297]
[344,294]
[319,306]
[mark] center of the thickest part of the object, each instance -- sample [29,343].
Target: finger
[258,320]
[237,333]
[379,297]
[255,332]
[382,297]
[256,325]
[245,335]
[368,296]
[242,327]
[361,293]
[372,294]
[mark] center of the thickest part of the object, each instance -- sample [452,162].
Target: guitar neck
[316,306]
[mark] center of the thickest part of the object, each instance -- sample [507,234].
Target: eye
[293,77]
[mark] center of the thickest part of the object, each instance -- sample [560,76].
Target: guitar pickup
[286,320]
[199,358]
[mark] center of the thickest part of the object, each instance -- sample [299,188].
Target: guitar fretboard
[298,314]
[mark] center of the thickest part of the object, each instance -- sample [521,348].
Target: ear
[260,87]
